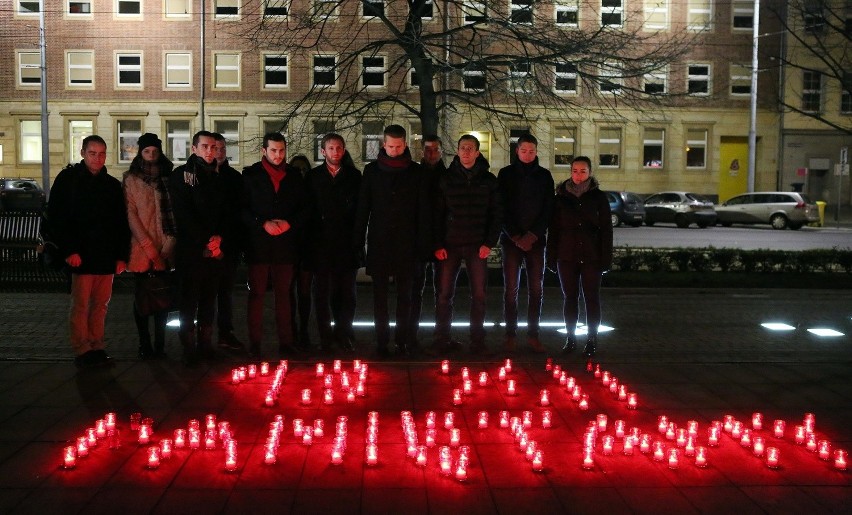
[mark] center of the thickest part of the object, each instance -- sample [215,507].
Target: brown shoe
[510,342]
[535,344]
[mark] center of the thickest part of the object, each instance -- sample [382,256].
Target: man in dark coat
[527,191]
[274,209]
[206,207]
[394,202]
[88,220]
[332,189]
[468,217]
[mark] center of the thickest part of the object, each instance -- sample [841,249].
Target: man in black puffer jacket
[468,216]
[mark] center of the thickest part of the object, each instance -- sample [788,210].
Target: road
[742,237]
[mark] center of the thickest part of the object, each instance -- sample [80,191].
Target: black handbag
[155,292]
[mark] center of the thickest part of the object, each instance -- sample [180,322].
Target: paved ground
[688,354]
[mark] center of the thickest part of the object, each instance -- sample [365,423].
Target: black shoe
[88,359]
[230,341]
[570,345]
[101,358]
[591,347]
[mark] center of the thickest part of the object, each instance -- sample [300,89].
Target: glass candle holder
[526,419]
[430,419]
[135,419]
[465,373]
[194,438]
[800,434]
[570,383]
[588,459]
[778,428]
[372,455]
[501,374]
[546,419]
[628,446]
[556,371]
[809,421]
[100,428]
[757,421]
[483,378]
[510,387]
[811,442]
[681,436]
[584,402]
[166,445]
[758,446]
[231,456]
[431,437]
[455,437]
[153,457]
[773,457]
[109,421]
[504,419]
[507,364]
[659,451]
[298,427]
[737,429]
[607,443]
[320,369]
[632,400]
[145,434]
[601,422]
[449,420]
[420,459]
[674,458]
[700,457]
[824,450]
[692,428]
[662,424]
[538,461]
[689,446]
[840,459]
[457,397]
[645,444]
[69,457]
[264,368]
[482,418]
[544,397]
[306,396]
[605,378]
[82,447]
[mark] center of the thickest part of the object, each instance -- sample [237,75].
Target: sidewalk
[688,354]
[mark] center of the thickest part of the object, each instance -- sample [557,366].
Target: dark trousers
[573,276]
[381,291]
[421,276]
[300,296]
[225,296]
[334,299]
[533,263]
[447,272]
[199,284]
[259,277]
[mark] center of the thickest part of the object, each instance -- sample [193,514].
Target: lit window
[275,71]
[226,8]
[371,140]
[609,147]
[128,139]
[566,78]
[811,91]
[128,7]
[30,141]
[611,13]
[698,79]
[696,148]
[700,15]
[474,77]
[325,74]
[742,14]
[474,12]
[567,13]
[178,8]
[81,71]
[652,148]
[373,72]
[610,78]
[178,70]
[326,9]
[740,80]
[80,7]
[230,129]
[656,14]
[128,70]
[846,94]
[521,11]
[178,140]
[78,130]
[564,146]
[29,8]
[29,68]
[276,8]
[371,8]
[321,128]
[520,74]
[226,70]
[655,82]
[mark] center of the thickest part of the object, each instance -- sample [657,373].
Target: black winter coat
[527,193]
[87,216]
[262,203]
[331,227]
[581,229]
[468,208]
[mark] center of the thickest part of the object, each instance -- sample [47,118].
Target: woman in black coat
[579,246]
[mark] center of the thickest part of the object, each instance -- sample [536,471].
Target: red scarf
[276,173]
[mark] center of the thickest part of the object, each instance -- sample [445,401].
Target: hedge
[711,259]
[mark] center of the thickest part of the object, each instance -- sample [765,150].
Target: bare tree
[491,59]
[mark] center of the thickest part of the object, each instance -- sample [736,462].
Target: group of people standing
[314,228]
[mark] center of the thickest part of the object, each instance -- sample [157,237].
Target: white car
[780,209]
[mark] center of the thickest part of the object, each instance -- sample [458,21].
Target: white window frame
[20,10]
[699,10]
[654,8]
[566,6]
[79,14]
[22,64]
[266,67]
[810,91]
[29,141]
[846,95]
[69,56]
[381,5]
[128,67]
[706,78]
[612,10]
[471,72]
[647,141]
[564,135]
[232,138]
[119,14]
[619,141]
[324,69]
[431,4]
[742,9]
[660,76]
[172,139]
[227,4]
[374,71]
[371,142]
[124,133]
[519,7]
[740,75]
[169,67]
[565,75]
[696,143]
[474,11]
[171,9]
[75,138]
[519,79]
[611,70]
[319,8]
[221,68]
[277,4]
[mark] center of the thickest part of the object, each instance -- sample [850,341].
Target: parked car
[626,207]
[780,209]
[679,207]
[21,195]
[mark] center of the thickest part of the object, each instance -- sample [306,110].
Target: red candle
[100,428]
[455,437]
[504,419]
[628,446]
[811,442]
[544,397]
[82,446]
[546,419]
[674,458]
[445,366]
[800,434]
[235,376]
[308,436]
[327,396]
[809,422]
[728,424]
[824,449]
[557,371]
[210,439]
[604,377]
[570,383]
[588,459]
[548,364]
[69,457]
[662,423]
[778,428]
[601,421]
[461,470]
[608,443]
[483,378]
[430,419]
[745,439]
[563,378]
[445,458]
[689,447]
[306,396]
[659,451]
[758,446]
[153,457]
[336,456]
[645,444]
[680,439]
[431,437]
[319,428]
[840,459]
[360,388]
[194,438]
[465,373]
[483,420]
[538,461]
[109,421]
[420,460]
[457,397]
[264,368]
[298,427]
[632,400]
[773,457]
[692,428]
[613,385]
[269,400]
[320,369]
[372,457]
[501,374]
[510,387]
[328,381]
[144,434]
[737,429]
[526,419]
[700,457]
[91,437]
[622,392]
[584,402]
[210,421]
[712,436]
[671,431]
[269,454]
[576,393]
[449,420]
[757,421]
[508,365]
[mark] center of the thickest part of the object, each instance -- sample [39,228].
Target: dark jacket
[331,226]
[468,208]
[581,229]
[395,203]
[527,194]
[87,216]
[262,203]
[234,181]
[205,203]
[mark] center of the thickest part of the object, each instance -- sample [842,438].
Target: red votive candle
[700,457]
[69,457]
[153,457]
[840,459]
[778,428]
[773,457]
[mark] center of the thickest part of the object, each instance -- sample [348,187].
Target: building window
[178,70]
[566,78]
[81,68]
[226,70]
[609,147]
[325,73]
[698,79]
[29,8]
[178,8]
[811,91]
[813,16]
[373,72]
[653,148]
[30,141]
[321,128]
[128,7]
[276,8]
[656,82]
[128,139]
[656,14]
[326,9]
[226,8]
[371,140]
[427,10]
[230,129]
[610,80]
[564,146]
[567,13]
[846,94]
[80,7]
[276,71]
[29,68]
[275,126]
[740,80]
[611,13]
[128,70]
[520,74]
[700,15]
[742,14]
[474,12]
[521,11]
[696,148]
[371,8]
[178,140]
[473,77]
[78,130]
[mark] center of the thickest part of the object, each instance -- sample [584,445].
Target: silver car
[679,207]
[780,209]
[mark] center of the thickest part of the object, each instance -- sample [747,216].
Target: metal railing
[21,265]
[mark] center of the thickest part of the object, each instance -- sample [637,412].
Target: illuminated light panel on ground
[561,325]
[582,329]
[777,326]
[824,331]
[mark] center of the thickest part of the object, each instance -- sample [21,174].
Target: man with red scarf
[274,209]
[394,202]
